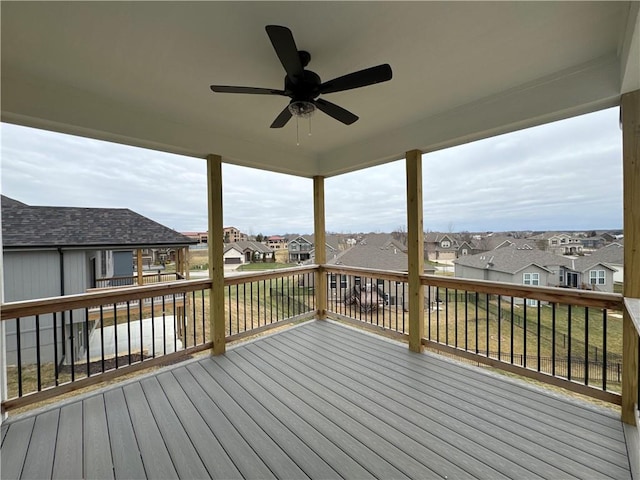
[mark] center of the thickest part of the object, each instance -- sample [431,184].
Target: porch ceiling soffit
[456,79]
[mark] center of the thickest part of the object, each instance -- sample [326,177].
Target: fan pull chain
[297,133]
[309,125]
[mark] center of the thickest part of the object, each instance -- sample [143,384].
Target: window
[554,242]
[465,251]
[445,244]
[332,280]
[380,282]
[563,240]
[596,277]
[561,276]
[343,281]
[103,263]
[531,279]
[356,280]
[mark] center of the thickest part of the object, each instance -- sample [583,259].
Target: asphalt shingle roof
[512,260]
[25,226]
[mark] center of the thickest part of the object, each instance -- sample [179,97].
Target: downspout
[64,313]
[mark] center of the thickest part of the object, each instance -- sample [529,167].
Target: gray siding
[36,274]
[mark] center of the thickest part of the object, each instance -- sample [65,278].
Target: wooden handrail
[40,306]
[582,298]
[11,310]
[633,308]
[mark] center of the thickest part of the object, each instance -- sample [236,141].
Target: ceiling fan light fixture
[302,109]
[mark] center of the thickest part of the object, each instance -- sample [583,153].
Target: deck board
[67,464]
[318,401]
[554,432]
[505,434]
[39,460]
[127,461]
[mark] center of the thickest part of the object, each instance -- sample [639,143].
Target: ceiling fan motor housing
[306,88]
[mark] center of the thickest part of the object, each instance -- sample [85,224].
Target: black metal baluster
[525,334]
[553,339]
[539,336]
[129,331]
[56,371]
[19,355]
[512,321]
[164,327]
[586,345]
[38,354]
[476,319]
[73,366]
[487,332]
[569,342]
[86,340]
[604,349]
[500,327]
[153,329]
[115,333]
[101,337]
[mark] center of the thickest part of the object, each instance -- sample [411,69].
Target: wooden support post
[415,249]
[216,246]
[320,240]
[630,116]
[139,266]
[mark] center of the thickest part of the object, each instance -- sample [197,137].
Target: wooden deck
[319,401]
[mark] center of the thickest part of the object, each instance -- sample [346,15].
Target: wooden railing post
[630,116]
[415,249]
[139,265]
[320,240]
[216,247]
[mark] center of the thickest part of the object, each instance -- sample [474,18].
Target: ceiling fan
[304,86]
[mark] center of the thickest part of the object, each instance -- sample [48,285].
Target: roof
[369,256]
[512,260]
[612,254]
[253,246]
[25,226]
[478,68]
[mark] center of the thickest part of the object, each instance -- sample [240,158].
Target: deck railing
[560,336]
[60,344]
[570,338]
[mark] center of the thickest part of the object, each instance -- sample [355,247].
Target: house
[611,255]
[53,251]
[232,234]
[440,247]
[276,242]
[389,257]
[559,243]
[302,248]
[251,252]
[527,266]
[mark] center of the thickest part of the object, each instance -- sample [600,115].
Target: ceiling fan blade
[252,90]
[333,110]
[282,119]
[362,78]
[285,47]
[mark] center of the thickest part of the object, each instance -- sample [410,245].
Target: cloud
[565,175]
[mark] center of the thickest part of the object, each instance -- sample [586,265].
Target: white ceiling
[139,73]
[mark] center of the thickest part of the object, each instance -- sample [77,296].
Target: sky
[565,175]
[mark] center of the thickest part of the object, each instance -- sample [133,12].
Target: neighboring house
[255,251]
[389,258]
[276,242]
[535,267]
[611,255]
[52,251]
[232,235]
[300,249]
[559,243]
[232,254]
[440,247]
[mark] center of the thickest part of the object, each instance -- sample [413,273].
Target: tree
[260,237]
